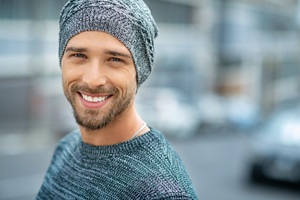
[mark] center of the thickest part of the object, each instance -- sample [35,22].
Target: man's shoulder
[69,141]
[71,136]
[161,149]
[164,188]
[161,172]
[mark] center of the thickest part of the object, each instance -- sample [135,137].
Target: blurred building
[30,90]
[257,43]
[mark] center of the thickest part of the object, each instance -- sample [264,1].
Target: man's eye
[116,59]
[78,55]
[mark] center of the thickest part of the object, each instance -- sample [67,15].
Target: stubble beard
[93,119]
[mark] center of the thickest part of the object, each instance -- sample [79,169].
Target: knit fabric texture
[130,21]
[145,167]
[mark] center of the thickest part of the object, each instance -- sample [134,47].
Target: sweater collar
[97,152]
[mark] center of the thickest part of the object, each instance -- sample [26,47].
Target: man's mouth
[94,99]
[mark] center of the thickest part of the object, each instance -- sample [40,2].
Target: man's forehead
[89,40]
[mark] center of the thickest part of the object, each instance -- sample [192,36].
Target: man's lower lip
[89,104]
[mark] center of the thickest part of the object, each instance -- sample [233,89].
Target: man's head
[130,21]
[106,51]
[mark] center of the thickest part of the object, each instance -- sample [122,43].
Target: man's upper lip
[95,95]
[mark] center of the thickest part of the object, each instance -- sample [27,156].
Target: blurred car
[275,153]
[168,110]
[235,113]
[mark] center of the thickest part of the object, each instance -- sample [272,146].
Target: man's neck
[120,130]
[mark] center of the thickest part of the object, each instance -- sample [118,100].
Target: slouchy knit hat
[130,21]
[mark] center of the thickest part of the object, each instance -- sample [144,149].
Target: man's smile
[94,100]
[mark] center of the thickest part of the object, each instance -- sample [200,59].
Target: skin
[96,64]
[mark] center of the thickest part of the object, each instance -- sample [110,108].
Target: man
[106,52]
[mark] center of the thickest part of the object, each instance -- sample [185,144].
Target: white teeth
[93,99]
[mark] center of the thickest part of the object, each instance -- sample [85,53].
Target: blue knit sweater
[146,167]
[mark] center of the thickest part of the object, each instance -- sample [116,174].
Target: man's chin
[91,120]
[90,125]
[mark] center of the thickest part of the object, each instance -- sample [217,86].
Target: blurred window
[30,9]
[171,12]
[163,11]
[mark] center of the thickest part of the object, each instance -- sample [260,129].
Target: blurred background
[226,85]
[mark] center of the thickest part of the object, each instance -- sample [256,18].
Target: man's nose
[94,75]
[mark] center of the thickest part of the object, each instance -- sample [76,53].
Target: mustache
[101,89]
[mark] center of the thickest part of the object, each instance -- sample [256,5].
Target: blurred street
[216,162]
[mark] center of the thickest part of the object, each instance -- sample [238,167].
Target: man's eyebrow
[115,53]
[75,49]
[110,52]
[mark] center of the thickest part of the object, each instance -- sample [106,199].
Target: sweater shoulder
[70,139]
[67,144]
[163,174]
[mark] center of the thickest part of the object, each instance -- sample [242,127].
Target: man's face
[99,78]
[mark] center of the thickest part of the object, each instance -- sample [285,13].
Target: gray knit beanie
[128,20]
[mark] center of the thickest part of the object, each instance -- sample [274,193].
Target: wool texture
[130,21]
[146,167]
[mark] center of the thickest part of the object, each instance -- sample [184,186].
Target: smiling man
[106,51]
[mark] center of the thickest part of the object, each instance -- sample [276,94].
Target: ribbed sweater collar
[88,151]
